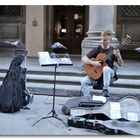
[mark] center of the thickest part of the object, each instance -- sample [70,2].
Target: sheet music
[99,98]
[45,59]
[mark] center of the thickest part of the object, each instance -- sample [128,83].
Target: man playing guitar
[107,71]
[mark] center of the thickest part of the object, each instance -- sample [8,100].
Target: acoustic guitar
[96,72]
[127,108]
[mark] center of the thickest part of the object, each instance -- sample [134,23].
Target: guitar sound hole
[95,71]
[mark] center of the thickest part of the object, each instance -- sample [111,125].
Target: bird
[57,45]
[16,43]
[54,55]
[137,49]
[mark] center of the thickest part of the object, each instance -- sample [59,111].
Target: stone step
[75,80]
[71,80]
[75,90]
[76,73]
[68,83]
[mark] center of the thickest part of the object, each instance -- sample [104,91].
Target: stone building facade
[34,25]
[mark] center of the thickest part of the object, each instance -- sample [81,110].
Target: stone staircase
[68,83]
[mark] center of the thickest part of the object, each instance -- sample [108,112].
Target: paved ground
[20,123]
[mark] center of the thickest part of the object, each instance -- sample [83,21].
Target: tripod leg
[43,118]
[55,115]
[62,121]
[37,121]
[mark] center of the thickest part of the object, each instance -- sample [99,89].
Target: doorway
[69,27]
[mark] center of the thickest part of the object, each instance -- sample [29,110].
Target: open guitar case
[115,117]
[79,102]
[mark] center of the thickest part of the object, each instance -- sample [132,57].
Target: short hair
[107,33]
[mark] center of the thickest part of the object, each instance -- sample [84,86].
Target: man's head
[106,38]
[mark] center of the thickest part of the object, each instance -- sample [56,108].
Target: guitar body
[95,72]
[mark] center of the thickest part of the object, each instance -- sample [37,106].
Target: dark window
[10,11]
[130,11]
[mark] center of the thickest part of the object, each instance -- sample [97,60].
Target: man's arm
[86,60]
[119,57]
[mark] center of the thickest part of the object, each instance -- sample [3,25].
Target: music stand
[45,60]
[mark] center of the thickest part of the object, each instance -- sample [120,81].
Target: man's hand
[117,53]
[95,63]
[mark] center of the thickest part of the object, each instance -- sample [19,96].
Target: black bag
[98,83]
[13,91]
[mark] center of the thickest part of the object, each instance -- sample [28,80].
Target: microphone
[57,45]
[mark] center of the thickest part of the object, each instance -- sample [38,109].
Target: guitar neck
[107,56]
[125,41]
[110,54]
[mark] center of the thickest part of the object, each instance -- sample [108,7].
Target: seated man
[108,71]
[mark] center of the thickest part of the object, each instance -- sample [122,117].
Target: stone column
[34,29]
[101,18]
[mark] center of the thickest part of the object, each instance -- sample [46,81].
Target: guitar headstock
[126,40]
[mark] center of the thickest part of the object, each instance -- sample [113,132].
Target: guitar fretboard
[125,41]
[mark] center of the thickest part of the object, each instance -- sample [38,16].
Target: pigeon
[137,49]
[16,43]
[57,45]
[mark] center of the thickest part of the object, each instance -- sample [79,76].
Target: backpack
[13,93]
[98,83]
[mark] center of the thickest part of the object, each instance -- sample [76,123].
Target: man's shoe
[105,93]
